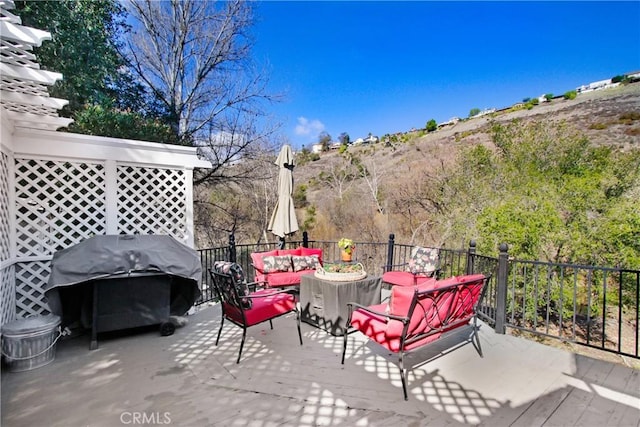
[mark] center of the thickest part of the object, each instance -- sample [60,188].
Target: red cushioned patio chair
[422,266]
[244,308]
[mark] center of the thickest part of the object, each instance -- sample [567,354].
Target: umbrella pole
[280,242]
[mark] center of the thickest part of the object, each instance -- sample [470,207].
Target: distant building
[602,84]
[451,122]
[371,139]
[485,112]
[634,75]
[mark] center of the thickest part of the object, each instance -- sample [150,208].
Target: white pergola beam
[38,101]
[23,73]
[18,33]
[8,16]
[38,121]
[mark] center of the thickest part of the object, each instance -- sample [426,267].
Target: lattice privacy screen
[7,276]
[59,204]
[7,294]
[152,201]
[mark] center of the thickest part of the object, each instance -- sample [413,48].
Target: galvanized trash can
[31,342]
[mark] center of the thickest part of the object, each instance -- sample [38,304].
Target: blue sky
[385,67]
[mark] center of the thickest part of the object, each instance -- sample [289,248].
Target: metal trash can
[31,342]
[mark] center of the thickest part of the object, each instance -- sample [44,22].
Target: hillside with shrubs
[557,182]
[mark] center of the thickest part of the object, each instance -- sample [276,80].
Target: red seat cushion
[370,324]
[288,278]
[263,308]
[386,333]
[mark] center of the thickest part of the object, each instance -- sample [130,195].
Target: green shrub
[309,219]
[300,196]
[106,121]
[598,126]
[630,117]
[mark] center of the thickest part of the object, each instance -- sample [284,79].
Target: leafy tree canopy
[83,49]
[97,120]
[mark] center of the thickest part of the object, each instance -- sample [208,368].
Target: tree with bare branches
[195,57]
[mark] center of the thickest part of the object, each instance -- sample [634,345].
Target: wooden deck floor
[185,380]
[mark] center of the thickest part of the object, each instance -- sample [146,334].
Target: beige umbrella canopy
[283,220]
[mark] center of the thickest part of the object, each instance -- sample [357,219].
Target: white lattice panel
[5,252]
[152,201]
[7,295]
[7,274]
[31,278]
[58,204]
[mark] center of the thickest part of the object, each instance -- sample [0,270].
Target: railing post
[501,289]
[392,238]
[305,239]
[471,257]
[232,247]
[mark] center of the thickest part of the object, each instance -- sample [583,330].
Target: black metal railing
[594,306]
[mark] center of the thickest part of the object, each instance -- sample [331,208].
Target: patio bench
[284,267]
[413,317]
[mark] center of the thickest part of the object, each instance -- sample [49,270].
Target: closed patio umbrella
[283,220]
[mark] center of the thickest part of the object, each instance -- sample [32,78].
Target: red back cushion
[447,282]
[401,297]
[311,251]
[295,252]
[400,301]
[256,258]
[467,296]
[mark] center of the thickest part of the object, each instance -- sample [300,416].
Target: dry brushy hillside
[398,167]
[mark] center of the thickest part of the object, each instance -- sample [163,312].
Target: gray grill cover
[117,256]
